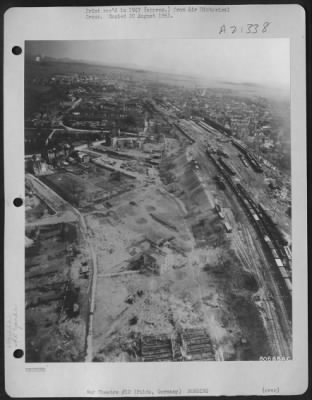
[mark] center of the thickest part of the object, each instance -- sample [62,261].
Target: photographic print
[158,213]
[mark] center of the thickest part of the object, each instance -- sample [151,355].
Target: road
[92,286]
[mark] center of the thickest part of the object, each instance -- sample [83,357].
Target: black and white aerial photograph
[157,200]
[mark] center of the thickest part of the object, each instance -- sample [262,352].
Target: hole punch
[17,202]
[16,50]
[18,353]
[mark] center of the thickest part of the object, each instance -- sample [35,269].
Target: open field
[195,283]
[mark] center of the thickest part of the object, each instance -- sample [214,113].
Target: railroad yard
[165,244]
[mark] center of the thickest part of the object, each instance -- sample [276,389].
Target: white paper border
[80,379]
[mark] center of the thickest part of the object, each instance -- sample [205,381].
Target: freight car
[227,226]
[191,140]
[227,166]
[243,160]
[287,252]
[271,248]
[272,226]
[254,163]
[217,126]
[255,211]
[250,158]
[220,181]
[222,153]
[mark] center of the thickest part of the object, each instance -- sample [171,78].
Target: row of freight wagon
[191,140]
[247,156]
[277,249]
[250,158]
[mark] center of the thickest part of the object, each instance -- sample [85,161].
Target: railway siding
[271,238]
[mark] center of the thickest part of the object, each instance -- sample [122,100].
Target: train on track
[242,147]
[227,166]
[220,128]
[249,157]
[207,128]
[273,240]
[191,140]
[243,160]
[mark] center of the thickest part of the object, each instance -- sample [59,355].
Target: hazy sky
[241,60]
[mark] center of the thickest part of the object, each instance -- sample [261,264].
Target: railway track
[267,265]
[273,278]
[247,254]
[280,335]
[263,229]
[281,314]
